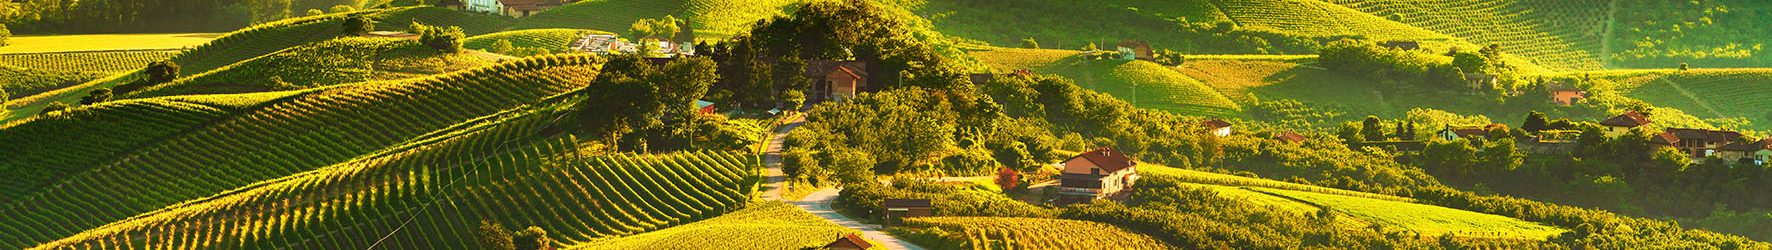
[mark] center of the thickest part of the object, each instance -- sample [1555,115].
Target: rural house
[1697,143]
[1566,97]
[1757,152]
[1216,127]
[1451,133]
[1135,50]
[513,8]
[1103,173]
[1624,123]
[836,80]
[1291,137]
[1480,81]
[1402,45]
[849,242]
[898,209]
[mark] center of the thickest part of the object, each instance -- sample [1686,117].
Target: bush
[162,71]
[533,238]
[5,34]
[96,96]
[343,8]
[1030,43]
[358,26]
[494,236]
[1170,58]
[315,12]
[53,107]
[443,39]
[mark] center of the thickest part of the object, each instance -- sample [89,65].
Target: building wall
[843,85]
[484,6]
[1078,166]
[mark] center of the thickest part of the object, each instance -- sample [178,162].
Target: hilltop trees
[649,28]
[443,39]
[5,35]
[358,25]
[631,102]
[162,72]
[1535,122]
[532,238]
[96,96]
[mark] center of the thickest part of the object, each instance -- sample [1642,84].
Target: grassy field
[1248,81]
[103,42]
[269,140]
[326,63]
[711,19]
[1145,85]
[1426,220]
[765,225]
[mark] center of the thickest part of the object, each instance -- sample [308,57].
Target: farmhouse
[601,44]
[1451,133]
[898,209]
[1216,127]
[1135,50]
[513,8]
[1402,45]
[1757,152]
[1565,95]
[1103,173]
[1624,123]
[1480,81]
[1697,143]
[849,242]
[1291,137]
[836,80]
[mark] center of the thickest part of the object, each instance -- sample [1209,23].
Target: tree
[1007,178]
[1030,43]
[494,236]
[162,71]
[1091,47]
[793,99]
[684,81]
[623,99]
[1684,67]
[264,11]
[502,46]
[343,8]
[1350,133]
[443,39]
[1372,129]
[5,35]
[358,25]
[96,96]
[52,107]
[532,238]
[315,12]
[1223,27]
[790,73]
[1535,122]
[649,28]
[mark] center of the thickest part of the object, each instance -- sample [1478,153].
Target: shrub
[96,96]
[533,238]
[162,71]
[5,34]
[494,236]
[1030,43]
[359,26]
[52,107]
[343,8]
[443,39]
[315,12]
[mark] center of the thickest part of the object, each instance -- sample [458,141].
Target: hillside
[1142,83]
[286,136]
[344,60]
[710,19]
[764,225]
[1562,35]
[551,40]
[1708,94]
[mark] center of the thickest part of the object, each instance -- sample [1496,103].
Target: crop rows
[319,64]
[1192,176]
[1148,85]
[21,82]
[289,136]
[612,15]
[1556,34]
[92,61]
[1031,233]
[82,137]
[768,225]
[1722,94]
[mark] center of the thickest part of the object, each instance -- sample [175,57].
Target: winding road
[818,203]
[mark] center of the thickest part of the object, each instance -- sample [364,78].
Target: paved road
[819,203]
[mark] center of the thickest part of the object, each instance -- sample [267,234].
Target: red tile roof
[1665,138]
[850,240]
[1704,134]
[1628,119]
[1215,123]
[1289,136]
[1107,159]
[1749,147]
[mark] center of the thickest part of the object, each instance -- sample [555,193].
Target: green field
[88,61]
[1709,94]
[325,63]
[765,225]
[1144,84]
[711,19]
[1023,233]
[103,42]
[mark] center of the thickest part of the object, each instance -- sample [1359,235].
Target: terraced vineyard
[1561,35]
[768,225]
[1319,19]
[344,60]
[21,82]
[85,137]
[277,139]
[88,61]
[1024,233]
[1709,93]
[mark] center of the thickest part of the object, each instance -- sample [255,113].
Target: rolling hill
[1708,94]
[710,19]
[1144,84]
[1561,35]
[765,225]
[344,60]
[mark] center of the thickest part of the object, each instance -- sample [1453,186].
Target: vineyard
[767,225]
[1208,178]
[21,82]
[710,19]
[1710,94]
[88,61]
[276,139]
[75,43]
[1003,60]
[1146,85]
[1023,233]
[1426,220]
[1319,19]
[1561,35]
[554,40]
[344,60]
[84,137]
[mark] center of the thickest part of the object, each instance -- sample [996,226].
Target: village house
[1756,153]
[1696,143]
[605,44]
[1216,127]
[1402,45]
[1563,94]
[1103,173]
[1451,133]
[1624,123]
[1291,137]
[836,80]
[1480,82]
[1135,50]
[898,209]
[513,8]
[849,242]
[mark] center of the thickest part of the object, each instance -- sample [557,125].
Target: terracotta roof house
[849,242]
[513,8]
[1756,152]
[705,107]
[1102,173]
[1291,137]
[1217,127]
[1623,123]
[836,80]
[898,209]
[1135,50]
[1700,143]
[1402,45]
[1563,94]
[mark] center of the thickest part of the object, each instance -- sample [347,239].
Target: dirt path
[817,203]
[772,159]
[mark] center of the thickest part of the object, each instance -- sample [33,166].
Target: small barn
[1217,127]
[1291,137]
[849,242]
[898,209]
[1135,50]
[1481,82]
[836,80]
[1623,123]
[704,107]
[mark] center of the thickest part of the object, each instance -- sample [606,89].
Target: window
[1095,171]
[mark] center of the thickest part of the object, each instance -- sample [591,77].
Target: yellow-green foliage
[1193,176]
[83,137]
[1145,85]
[22,82]
[1023,233]
[552,40]
[1559,35]
[271,140]
[1353,98]
[1319,19]
[1426,220]
[1004,60]
[89,61]
[1709,94]
[711,19]
[470,23]
[104,42]
[768,225]
[344,60]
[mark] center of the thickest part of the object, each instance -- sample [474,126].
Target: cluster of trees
[1399,68]
[637,105]
[494,236]
[866,200]
[86,16]
[443,39]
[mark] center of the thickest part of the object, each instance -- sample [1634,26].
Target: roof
[703,104]
[1749,147]
[1134,44]
[907,203]
[1628,119]
[845,70]
[850,240]
[449,3]
[1107,159]
[1664,138]
[1703,134]
[1215,123]
[1289,136]
[820,68]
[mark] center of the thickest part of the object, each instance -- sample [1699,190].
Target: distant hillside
[1704,33]
[1562,35]
[711,19]
[344,60]
[1709,94]
[1145,85]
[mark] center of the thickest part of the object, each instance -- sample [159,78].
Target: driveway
[819,203]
